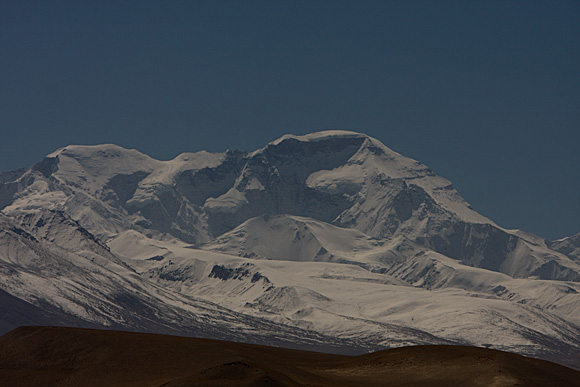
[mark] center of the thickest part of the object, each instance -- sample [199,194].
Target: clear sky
[486,93]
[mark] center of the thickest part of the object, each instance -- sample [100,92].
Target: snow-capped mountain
[327,240]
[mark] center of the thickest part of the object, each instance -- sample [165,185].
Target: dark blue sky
[486,93]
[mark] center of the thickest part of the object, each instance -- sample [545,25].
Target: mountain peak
[320,136]
[100,151]
[90,166]
[331,140]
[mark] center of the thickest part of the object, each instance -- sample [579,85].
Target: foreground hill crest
[93,357]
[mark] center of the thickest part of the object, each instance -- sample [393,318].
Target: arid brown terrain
[48,356]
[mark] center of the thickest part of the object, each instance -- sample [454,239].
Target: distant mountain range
[329,241]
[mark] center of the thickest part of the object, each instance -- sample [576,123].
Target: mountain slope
[427,299]
[569,246]
[45,282]
[294,238]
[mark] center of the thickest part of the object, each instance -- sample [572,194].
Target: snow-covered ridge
[101,162]
[320,136]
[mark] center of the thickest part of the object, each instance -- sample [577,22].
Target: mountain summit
[330,233]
